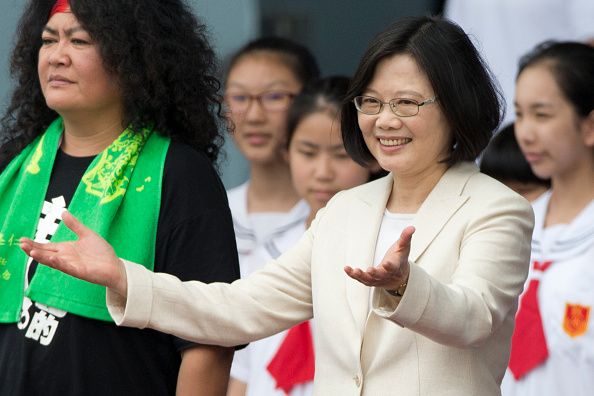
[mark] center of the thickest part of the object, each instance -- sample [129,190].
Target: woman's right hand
[90,258]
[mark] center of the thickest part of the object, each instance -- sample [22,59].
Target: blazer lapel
[365,217]
[441,204]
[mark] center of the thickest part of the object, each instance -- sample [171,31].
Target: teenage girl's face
[408,146]
[554,140]
[260,134]
[320,165]
[71,72]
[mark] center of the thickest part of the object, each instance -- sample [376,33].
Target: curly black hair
[160,55]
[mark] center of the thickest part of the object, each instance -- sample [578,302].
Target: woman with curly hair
[114,116]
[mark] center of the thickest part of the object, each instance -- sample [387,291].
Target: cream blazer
[450,333]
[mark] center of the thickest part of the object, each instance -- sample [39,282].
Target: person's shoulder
[488,194]
[485,186]
[370,193]
[366,191]
[183,159]
[483,192]
[189,174]
[486,200]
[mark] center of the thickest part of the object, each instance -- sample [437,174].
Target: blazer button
[357,380]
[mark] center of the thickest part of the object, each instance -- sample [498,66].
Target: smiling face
[406,146]
[554,140]
[71,72]
[260,134]
[320,165]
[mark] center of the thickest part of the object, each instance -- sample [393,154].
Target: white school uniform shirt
[263,236]
[260,238]
[566,302]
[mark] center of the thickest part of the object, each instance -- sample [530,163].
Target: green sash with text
[119,197]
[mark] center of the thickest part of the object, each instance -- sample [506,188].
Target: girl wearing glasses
[423,314]
[268,215]
[262,80]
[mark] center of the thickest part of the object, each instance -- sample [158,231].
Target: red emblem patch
[576,319]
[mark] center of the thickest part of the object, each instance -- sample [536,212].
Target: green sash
[119,197]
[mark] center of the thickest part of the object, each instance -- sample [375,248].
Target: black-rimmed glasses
[270,101]
[402,107]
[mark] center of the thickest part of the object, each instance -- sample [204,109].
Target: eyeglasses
[270,101]
[400,106]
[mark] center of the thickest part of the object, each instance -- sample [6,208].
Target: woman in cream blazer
[431,315]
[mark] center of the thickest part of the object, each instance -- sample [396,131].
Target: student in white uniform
[555,130]
[320,167]
[263,78]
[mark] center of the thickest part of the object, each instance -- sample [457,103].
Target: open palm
[393,270]
[90,258]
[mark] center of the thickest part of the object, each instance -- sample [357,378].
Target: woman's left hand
[393,270]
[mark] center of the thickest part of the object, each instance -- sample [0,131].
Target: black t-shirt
[50,352]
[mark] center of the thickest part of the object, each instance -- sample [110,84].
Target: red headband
[60,6]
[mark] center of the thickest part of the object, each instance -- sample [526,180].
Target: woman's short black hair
[503,160]
[294,55]
[323,95]
[572,65]
[156,49]
[466,92]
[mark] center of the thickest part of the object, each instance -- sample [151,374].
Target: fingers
[370,277]
[44,253]
[27,245]
[45,257]
[357,274]
[393,268]
[406,238]
[76,226]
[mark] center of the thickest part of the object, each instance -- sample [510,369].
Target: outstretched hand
[393,270]
[90,258]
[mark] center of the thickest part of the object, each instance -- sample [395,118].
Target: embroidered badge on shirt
[575,322]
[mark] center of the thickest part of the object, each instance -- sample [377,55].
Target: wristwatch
[399,291]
